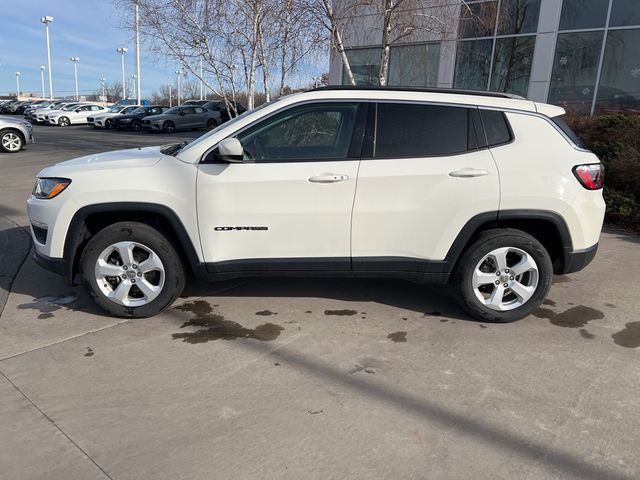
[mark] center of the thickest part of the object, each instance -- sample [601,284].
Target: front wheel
[136,125]
[503,276]
[107,123]
[11,141]
[64,122]
[132,270]
[169,127]
[211,123]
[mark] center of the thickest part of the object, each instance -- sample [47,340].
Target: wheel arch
[548,227]
[89,220]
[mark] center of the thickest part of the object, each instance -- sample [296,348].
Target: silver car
[184,117]
[14,134]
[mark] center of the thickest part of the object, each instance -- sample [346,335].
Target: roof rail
[420,89]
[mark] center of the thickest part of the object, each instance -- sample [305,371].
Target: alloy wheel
[11,142]
[129,274]
[505,278]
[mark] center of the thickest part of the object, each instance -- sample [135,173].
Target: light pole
[42,67]
[47,20]
[179,73]
[201,82]
[170,96]
[75,61]
[104,95]
[18,85]
[134,76]
[138,97]
[122,51]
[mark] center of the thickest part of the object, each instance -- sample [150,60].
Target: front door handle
[468,173]
[329,178]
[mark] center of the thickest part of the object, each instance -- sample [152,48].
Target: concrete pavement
[344,379]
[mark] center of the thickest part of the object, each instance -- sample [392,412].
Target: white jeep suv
[490,193]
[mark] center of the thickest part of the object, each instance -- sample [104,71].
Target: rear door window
[496,127]
[415,130]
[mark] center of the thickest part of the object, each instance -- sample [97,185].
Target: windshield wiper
[173,148]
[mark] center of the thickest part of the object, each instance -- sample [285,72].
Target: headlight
[47,188]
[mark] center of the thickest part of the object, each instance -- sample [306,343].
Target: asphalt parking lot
[309,379]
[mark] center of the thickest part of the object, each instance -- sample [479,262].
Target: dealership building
[580,54]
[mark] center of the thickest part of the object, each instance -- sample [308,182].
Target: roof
[435,95]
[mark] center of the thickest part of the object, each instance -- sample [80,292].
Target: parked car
[489,193]
[14,134]
[10,108]
[21,108]
[76,116]
[182,118]
[103,120]
[221,107]
[133,120]
[33,113]
[43,115]
[35,106]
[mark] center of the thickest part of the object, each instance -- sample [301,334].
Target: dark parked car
[184,117]
[220,106]
[133,120]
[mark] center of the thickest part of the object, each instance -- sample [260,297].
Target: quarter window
[310,132]
[495,127]
[411,130]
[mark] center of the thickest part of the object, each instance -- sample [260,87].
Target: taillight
[590,176]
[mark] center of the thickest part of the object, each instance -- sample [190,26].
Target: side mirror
[182,114]
[230,150]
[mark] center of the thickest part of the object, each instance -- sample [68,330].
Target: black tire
[107,123]
[11,141]
[211,123]
[168,127]
[486,242]
[136,125]
[174,273]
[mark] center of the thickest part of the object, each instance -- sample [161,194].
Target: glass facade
[413,65]
[502,62]
[597,70]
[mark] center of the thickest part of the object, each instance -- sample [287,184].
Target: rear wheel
[11,141]
[169,126]
[503,276]
[211,123]
[132,270]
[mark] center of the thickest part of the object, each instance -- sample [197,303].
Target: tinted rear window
[410,130]
[562,125]
[496,127]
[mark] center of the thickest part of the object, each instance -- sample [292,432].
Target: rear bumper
[578,259]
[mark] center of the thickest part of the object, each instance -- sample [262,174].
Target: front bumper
[55,265]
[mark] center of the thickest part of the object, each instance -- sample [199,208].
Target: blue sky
[84,28]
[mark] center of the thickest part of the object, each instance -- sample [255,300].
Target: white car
[490,193]
[42,116]
[76,115]
[103,120]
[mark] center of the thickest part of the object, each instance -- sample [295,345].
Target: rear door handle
[329,178]
[468,173]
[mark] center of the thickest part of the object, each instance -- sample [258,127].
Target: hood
[133,157]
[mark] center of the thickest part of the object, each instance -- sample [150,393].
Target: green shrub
[615,139]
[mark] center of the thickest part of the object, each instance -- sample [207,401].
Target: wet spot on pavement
[435,313]
[341,313]
[482,326]
[314,412]
[89,352]
[610,305]
[444,320]
[265,313]
[584,333]
[308,311]
[562,279]
[44,316]
[575,317]
[549,302]
[398,336]
[405,319]
[216,327]
[48,304]
[629,337]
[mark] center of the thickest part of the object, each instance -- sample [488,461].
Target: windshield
[229,123]
[139,110]
[116,109]
[173,111]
